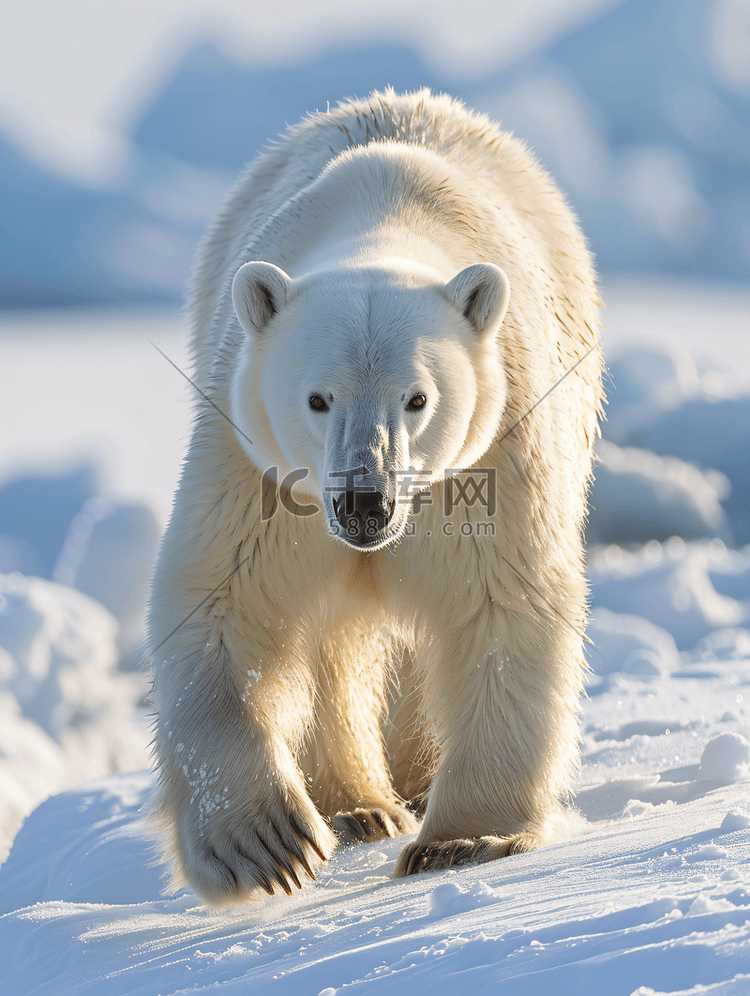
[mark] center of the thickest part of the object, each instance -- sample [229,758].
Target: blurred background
[122,123]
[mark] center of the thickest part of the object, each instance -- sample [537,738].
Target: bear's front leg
[505,709]
[349,777]
[232,803]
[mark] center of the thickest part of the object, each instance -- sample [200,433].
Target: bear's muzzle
[363,515]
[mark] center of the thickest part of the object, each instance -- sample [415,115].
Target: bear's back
[496,162]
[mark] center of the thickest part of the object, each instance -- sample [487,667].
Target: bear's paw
[372,824]
[436,855]
[266,855]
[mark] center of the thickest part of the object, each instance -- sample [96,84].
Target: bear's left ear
[259,290]
[481,293]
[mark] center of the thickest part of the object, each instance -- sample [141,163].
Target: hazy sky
[75,73]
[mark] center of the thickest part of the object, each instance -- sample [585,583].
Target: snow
[106,532]
[672,585]
[86,386]
[671,495]
[647,889]
[66,713]
[657,896]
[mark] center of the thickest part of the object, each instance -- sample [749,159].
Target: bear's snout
[363,515]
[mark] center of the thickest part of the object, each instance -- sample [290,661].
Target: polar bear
[367,613]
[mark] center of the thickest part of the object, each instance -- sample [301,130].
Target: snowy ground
[649,893]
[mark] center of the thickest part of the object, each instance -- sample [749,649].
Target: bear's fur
[393,298]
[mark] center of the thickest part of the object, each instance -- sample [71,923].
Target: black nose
[363,515]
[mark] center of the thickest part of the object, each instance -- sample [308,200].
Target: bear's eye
[317,403]
[416,403]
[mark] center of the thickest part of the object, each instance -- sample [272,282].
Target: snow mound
[66,714]
[725,759]
[661,401]
[723,644]
[638,496]
[629,644]
[106,532]
[35,514]
[449,898]
[735,821]
[713,432]
[643,383]
[672,585]
[102,850]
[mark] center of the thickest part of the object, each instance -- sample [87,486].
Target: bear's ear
[259,290]
[481,293]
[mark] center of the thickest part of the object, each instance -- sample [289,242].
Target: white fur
[395,248]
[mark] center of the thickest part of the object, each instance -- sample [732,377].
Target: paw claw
[302,832]
[438,855]
[308,869]
[347,828]
[283,858]
[284,885]
[369,824]
[265,854]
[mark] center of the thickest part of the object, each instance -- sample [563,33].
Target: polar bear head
[369,382]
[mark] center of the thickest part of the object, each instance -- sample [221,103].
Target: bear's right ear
[481,293]
[259,290]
